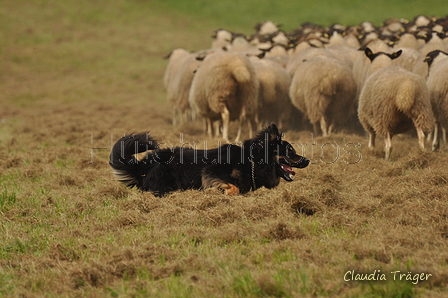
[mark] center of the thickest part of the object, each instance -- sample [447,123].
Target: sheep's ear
[395,55]
[369,54]
[429,58]
[168,56]
[201,56]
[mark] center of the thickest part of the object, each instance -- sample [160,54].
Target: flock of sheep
[389,79]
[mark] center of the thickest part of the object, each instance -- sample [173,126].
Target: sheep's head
[372,55]
[433,55]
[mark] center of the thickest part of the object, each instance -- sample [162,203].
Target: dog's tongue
[288,169]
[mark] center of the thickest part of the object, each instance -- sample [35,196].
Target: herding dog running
[261,161]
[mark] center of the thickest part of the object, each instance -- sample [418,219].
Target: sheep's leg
[174,117]
[217,128]
[436,139]
[238,135]
[421,137]
[243,119]
[250,124]
[330,128]
[372,136]
[323,126]
[430,136]
[315,129]
[388,146]
[225,116]
[444,135]
[255,123]
[209,127]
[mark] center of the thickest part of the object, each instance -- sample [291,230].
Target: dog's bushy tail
[128,169]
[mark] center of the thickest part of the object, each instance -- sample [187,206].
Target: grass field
[75,76]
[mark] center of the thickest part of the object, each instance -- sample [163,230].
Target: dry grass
[67,229]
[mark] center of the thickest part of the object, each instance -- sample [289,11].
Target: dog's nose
[305,162]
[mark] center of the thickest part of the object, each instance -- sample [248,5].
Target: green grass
[243,15]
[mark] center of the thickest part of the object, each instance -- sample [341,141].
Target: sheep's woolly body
[407,40]
[175,58]
[180,87]
[225,87]
[435,43]
[438,89]
[304,56]
[363,68]
[278,54]
[393,101]
[352,41]
[280,38]
[267,27]
[376,45]
[345,53]
[336,39]
[324,89]
[274,103]
[408,58]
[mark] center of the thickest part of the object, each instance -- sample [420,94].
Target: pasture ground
[73,79]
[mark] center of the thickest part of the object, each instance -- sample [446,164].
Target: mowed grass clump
[77,77]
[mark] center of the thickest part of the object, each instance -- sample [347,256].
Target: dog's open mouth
[288,173]
[286,165]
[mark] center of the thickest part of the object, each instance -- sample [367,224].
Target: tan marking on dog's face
[236,174]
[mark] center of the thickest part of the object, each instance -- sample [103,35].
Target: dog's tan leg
[230,189]
[211,182]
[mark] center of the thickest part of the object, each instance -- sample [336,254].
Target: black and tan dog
[261,161]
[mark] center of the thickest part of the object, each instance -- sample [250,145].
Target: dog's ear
[273,132]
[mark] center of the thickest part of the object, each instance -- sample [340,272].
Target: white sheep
[408,57]
[267,27]
[305,55]
[274,104]
[175,59]
[438,90]
[434,43]
[324,89]
[392,101]
[364,65]
[279,54]
[407,40]
[172,79]
[225,87]
[179,88]
[221,38]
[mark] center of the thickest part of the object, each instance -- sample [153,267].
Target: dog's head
[287,158]
[283,153]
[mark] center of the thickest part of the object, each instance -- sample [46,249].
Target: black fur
[165,170]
